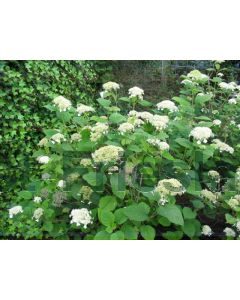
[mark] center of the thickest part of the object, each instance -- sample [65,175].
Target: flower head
[62,103]
[201,134]
[167,104]
[57,138]
[125,127]
[38,213]
[229,232]
[107,154]
[37,199]
[81,217]
[111,86]
[15,210]
[206,230]
[82,108]
[217,122]
[222,147]
[43,159]
[136,92]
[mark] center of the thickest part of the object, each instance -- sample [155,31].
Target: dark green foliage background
[25,88]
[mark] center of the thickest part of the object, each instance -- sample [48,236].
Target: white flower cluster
[215,175]
[201,134]
[81,217]
[61,184]
[197,75]
[229,232]
[209,196]
[37,214]
[228,86]
[145,115]
[107,154]
[111,86]
[37,199]
[222,147]
[189,82]
[86,162]
[169,187]
[98,131]
[62,103]
[82,108]
[161,145]
[76,137]
[233,202]
[113,169]
[136,92]
[238,225]
[167,104]
[15,210]
[217,122]
[232,101]
[126,127]
[159,122]
[206,230]
[43,159]
[43,142]
[57,138]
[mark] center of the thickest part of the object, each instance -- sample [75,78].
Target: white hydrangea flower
[209,196]
[219,61]
[232,122]
[167,104]
[222,147]
[215,175]
[76,137]
[188,82]
[14,211]
[206,230]
[201,134]
[107,154]
[111,86]
[159,122]
[238,126]
[170,187]
[82,108]
[43,159]
[227,86]
[133,113]
[145,115]
[136,92]
[86,162]
[161,145]
[61,183]
[37,214]
[98,131]
[220,74]
[37,199]
[43,142]
[125,127]
[229,232]
[197,75]
[81,217]
[62,103]
[233,203]
[232,101]
[57,138]
[238,225]
[112,169]
[217,122]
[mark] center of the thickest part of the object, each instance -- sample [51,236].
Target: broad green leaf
[118,235]
[147,232]
[172,213]
[137,212]
[130,232]
[95,178]
[102,235]
[189,228]
[108,203]
[118,185]
[116,118]
[120,217]
[106,217]
[104,102]
[25,195]
[173,235]
[188,213]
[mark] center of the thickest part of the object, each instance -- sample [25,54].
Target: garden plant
[125,168]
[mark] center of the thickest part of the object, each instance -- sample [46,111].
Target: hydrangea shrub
[129,169]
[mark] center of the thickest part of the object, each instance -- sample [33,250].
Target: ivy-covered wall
[25,88]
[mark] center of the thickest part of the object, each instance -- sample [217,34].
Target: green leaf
[201,99]
[108,203]
[230,219]
[116,118]
[104,102]
[147,232]
[164,222]
[120,217]
[102,235]
[130,232]
[95,179]
[25,195]
[198,204]
[172,213]
[184,142]
[188,213]
[173,235]
[118,185]
[137,212]
[145,103]
[189,228]
[118,235]
[106,217]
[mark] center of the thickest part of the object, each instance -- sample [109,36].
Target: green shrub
[128,169]
[26,87]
